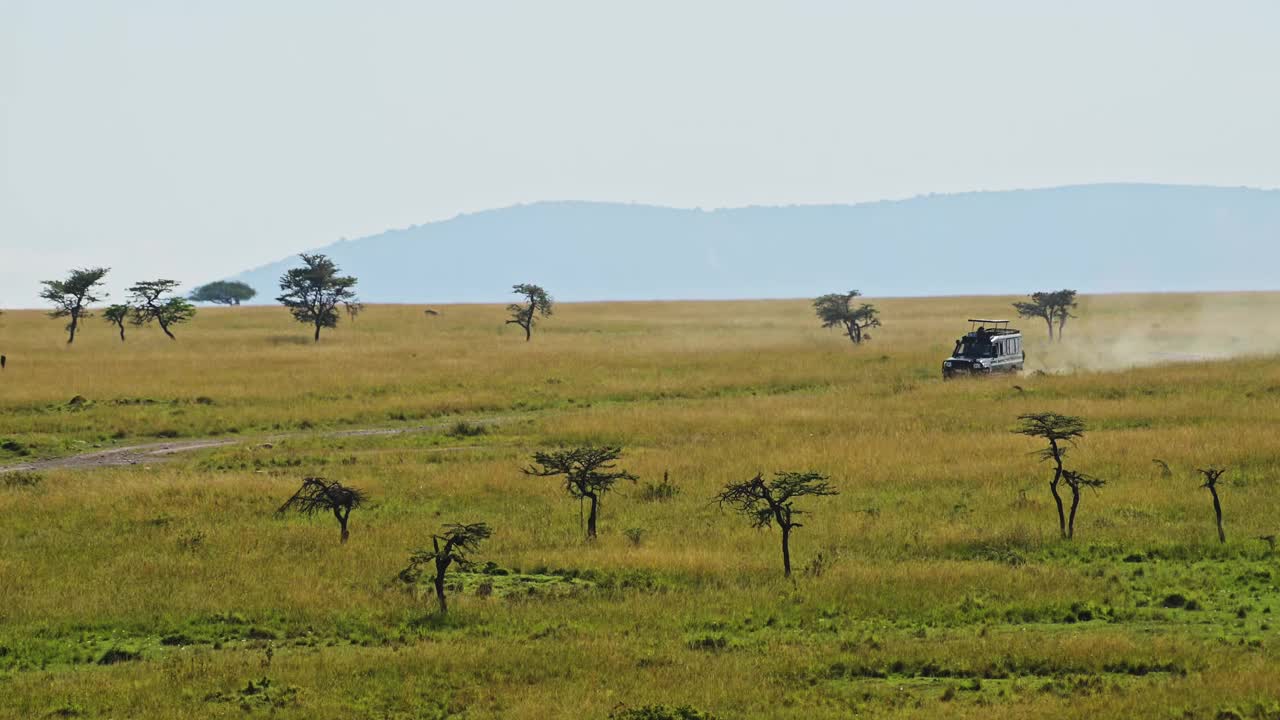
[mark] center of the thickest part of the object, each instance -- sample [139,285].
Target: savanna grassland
[934,584]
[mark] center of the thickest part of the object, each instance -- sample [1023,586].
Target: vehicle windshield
[974,347]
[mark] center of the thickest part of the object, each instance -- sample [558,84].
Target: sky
[194,140]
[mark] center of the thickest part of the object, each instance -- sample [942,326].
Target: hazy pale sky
[193,140]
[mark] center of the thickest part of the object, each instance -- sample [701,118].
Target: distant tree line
[149,301]
[313,293]
[317,291]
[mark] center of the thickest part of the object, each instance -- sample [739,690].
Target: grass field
[933,585]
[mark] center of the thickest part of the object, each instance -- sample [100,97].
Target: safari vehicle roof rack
[995,327]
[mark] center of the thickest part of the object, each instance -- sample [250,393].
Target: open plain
[935,584]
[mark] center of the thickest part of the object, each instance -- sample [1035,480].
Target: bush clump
[661,712]
[118,655]
[659,491]
[20,479]
[15,447]
[462,429]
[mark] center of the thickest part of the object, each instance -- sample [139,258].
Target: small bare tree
[1211,475]
[537,303]
[1076,481]
[448,548]
[1061,432]
[318,495]
[767,503]
[588,473]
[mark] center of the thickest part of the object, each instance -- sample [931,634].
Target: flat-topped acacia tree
[589,472]
[313,292]
[837,310]
[152,300]
[72,297]
[1061,433]
[450,547]
[223,292]
[769,503]
[1054,307]
[537,303]
[319,495]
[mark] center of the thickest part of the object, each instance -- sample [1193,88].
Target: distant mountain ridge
[1095,238]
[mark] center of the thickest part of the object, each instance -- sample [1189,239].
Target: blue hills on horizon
[1094,238]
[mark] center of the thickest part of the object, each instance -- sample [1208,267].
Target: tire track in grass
[161,451]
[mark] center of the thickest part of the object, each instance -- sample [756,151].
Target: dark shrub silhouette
[318,495]
[588,473]
[767,503]
[448,548]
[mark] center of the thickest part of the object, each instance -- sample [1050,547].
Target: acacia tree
[1211,475]
[837,310]
[319,495]
[448,548]
[116,315]
[149,302]
[313,292]
[1076,481]
[588,473]
[1061,432]
[768,503]
[1052,307]
[71,297]
[223,292]
[537,303]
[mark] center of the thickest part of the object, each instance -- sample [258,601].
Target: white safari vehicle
[990,347]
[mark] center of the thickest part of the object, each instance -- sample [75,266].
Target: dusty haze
[1125,335]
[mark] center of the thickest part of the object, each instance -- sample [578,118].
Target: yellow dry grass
[943,588]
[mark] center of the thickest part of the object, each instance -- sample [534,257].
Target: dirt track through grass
[161,451]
